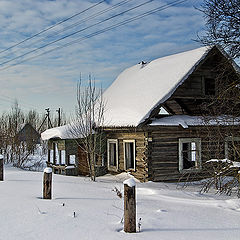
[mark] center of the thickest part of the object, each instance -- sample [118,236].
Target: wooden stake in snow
[1,167]
[47,183]
[129,206]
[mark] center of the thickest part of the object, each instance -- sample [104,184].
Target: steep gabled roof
[139,89]
[28,132]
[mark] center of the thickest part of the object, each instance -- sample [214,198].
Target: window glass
[112,154]
[129,154]
[189,154]
[209,86]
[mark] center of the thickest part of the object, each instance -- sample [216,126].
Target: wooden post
[1,167]
[129,206]
[47,183]
[238,183]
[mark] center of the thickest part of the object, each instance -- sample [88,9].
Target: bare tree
[87,124]
[222,25]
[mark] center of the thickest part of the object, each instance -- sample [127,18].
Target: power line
[12,101]
[19,101]
[155,10]
[52,26]
[75,24]
[76,32]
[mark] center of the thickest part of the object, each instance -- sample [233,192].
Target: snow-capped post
[129,206]
[47,183]
[1,167]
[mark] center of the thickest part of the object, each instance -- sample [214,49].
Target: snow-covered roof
[142,87]
[63,132]
[185,121]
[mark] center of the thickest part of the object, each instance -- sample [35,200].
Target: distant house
[153,117]
[64,154]
[28,134]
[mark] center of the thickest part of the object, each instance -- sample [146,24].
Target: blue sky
[50,80]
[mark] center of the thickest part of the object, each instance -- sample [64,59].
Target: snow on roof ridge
[138,90]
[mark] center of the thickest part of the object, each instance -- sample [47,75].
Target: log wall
[164,152]
[141,171]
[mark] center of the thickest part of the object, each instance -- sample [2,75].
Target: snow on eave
[62,132]
[185,121]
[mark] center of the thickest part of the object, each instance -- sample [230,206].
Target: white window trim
[227,140]
[134,154]
[198,145]
[110,167]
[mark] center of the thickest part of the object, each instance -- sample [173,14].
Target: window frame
[134,154]
[198,151]
[229,139]
[204,80]
[111,167]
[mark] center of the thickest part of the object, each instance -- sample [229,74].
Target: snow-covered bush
[224,176]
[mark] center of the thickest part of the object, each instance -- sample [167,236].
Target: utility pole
[59,116]
[47,117]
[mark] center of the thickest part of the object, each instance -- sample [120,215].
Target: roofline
[146,118]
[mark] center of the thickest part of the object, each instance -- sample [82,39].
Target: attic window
[163,111]
[209,84]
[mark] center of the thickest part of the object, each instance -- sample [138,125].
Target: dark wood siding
[164,152]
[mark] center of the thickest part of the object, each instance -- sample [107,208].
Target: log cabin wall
[163,152]
[66,149]
[141,163]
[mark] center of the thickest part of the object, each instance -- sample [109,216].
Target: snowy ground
[166,212]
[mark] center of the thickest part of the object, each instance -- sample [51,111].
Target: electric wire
[76,32]
[52,26]
[84,20]
[155,10]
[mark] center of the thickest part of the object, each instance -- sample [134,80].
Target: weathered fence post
[129,206]
[238,183]
[1,167]
[47,183]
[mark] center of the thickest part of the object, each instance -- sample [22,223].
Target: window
[209,86]
[232,148]
[129,154]
[189,154]
[72,159]
[112,154]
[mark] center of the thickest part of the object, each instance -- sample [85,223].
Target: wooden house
[28,134]
[153,119]
[66,155]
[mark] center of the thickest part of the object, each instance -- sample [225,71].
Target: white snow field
[166,211]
